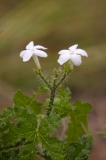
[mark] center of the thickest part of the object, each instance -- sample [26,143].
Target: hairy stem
[43,78]
[52,95]
[53,90]
[63,78]
[52,86]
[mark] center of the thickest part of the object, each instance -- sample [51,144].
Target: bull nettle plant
[54,130]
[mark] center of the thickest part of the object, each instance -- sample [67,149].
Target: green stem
[53,90]
[43,78]
[52,95]
[53,87]
[62,79]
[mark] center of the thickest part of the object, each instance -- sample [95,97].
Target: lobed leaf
[6,116]
[64,95]
[21,99]
[25,128]
[80,150]
[62,102]
[9,155]
[53,145]
[28,152]
[78,125]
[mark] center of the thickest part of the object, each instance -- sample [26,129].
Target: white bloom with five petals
[73,54]
[33,51]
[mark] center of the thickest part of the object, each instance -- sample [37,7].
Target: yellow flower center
[71,52]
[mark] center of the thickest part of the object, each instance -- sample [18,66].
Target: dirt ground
[97,119]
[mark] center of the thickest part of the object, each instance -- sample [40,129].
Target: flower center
[32,50]
[71,52]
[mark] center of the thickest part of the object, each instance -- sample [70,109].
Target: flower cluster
[72,55]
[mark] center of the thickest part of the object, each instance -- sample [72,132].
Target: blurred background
[56,25]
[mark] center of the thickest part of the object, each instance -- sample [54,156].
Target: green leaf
[64,95]
[6,116]
[5,121]
[9,155]
[82,109]
[62,102]
[53,145]
[75,131]
[27,121]
[25,129]
[49,124]
[27,153]
[46,156]
[24,126]
[78,125]
[80,150]
[21,99]
[54,148]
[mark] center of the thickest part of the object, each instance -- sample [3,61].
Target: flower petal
[73,48]
[40,53]
[81,52]
[30,45]
[76,59]
[39,47]
[27,56]
[63,58]
[63,51]
[23,53]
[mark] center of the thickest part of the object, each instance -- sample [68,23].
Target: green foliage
[47,126]
[80,150]
[23,129]
[62,102]
[9,155]
[78,121]
[46,156]
[77,113]
[21,99]
[28,131]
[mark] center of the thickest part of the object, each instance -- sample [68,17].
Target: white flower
[33,51]
[73,54]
